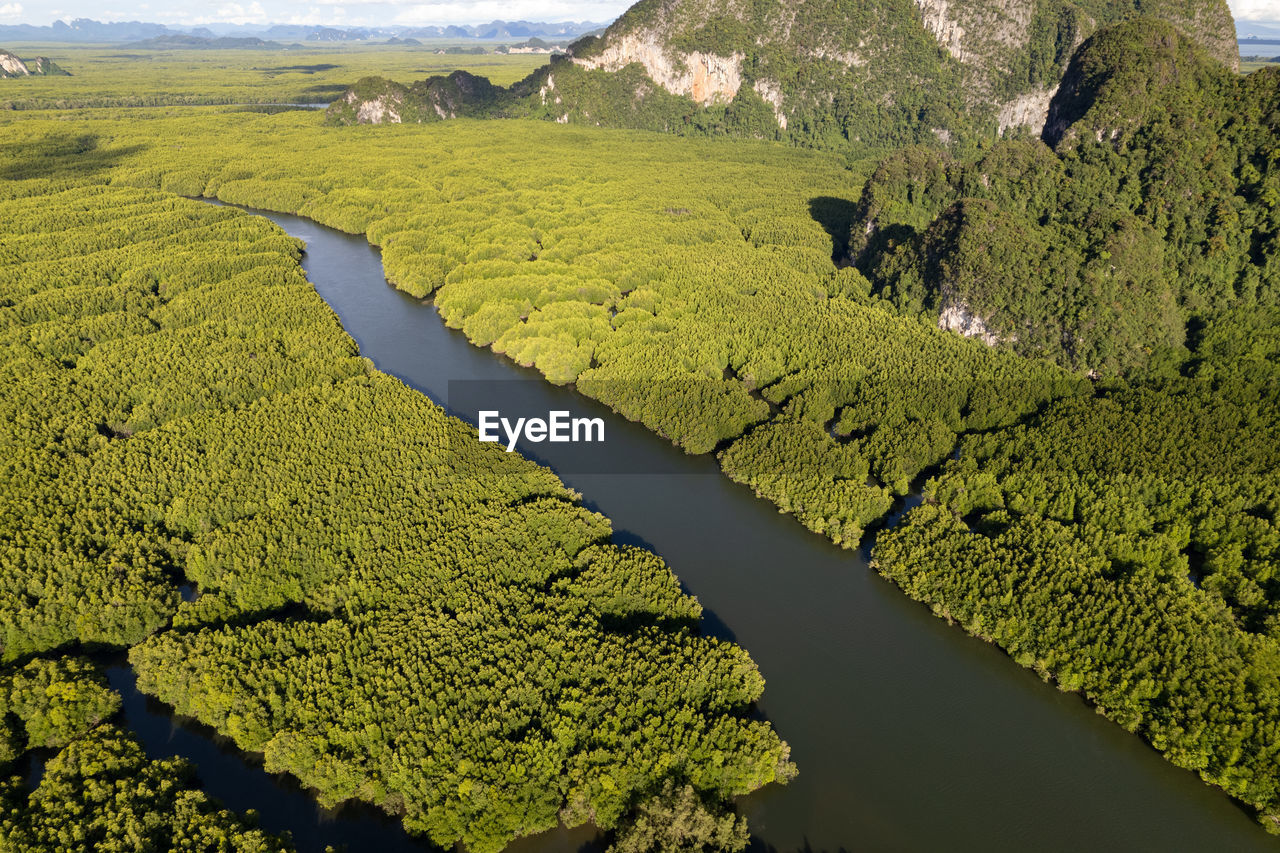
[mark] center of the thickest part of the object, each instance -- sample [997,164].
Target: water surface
[909,735]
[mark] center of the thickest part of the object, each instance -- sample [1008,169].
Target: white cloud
[383,12]
[1256,10]
[236,13]
[378,12]
[314,15]
[479,11]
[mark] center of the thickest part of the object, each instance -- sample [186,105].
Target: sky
[332,12]
[371,12]
[1255,10]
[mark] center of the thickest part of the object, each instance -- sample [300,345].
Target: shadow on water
[625,537]
[835,215]
[30,767]
[758,846]
[238,781]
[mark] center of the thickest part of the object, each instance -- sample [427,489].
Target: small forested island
[987,292]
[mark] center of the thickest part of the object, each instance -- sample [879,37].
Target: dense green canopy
[388,609]
[1120,536]
[102,795]
[1159,206]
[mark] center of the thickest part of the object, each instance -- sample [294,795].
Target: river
[909,735]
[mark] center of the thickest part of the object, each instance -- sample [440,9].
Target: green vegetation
[1122,544]
[688,287]
[1126,546]
[388,609]
[561,92]
[680,822]
[101,794]
[115,77]
[42,66]
[1119,537]
[433,99]
[49,703]
[106,338]
[1250,64]
[1158,207]
[567,93]
[874,75]
[833,83]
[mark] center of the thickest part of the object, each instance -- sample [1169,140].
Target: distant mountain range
[1257,30]
[178,41]
[88,30]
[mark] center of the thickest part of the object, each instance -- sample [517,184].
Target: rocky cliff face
[1002,59]
[374,100]
[12,66]
[703,78]
[383,109]
[1029,110]
[1014,53]
[939,19]
[822,73]
[371,101]
[958,317]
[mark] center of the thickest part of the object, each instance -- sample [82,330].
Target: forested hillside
[824,73]
[1123,544]
[457,643]
[1157,208]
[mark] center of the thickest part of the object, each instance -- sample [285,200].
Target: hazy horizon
[380,13]
[335,13]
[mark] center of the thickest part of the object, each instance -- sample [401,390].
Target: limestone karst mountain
[1154,211]
[826,72]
